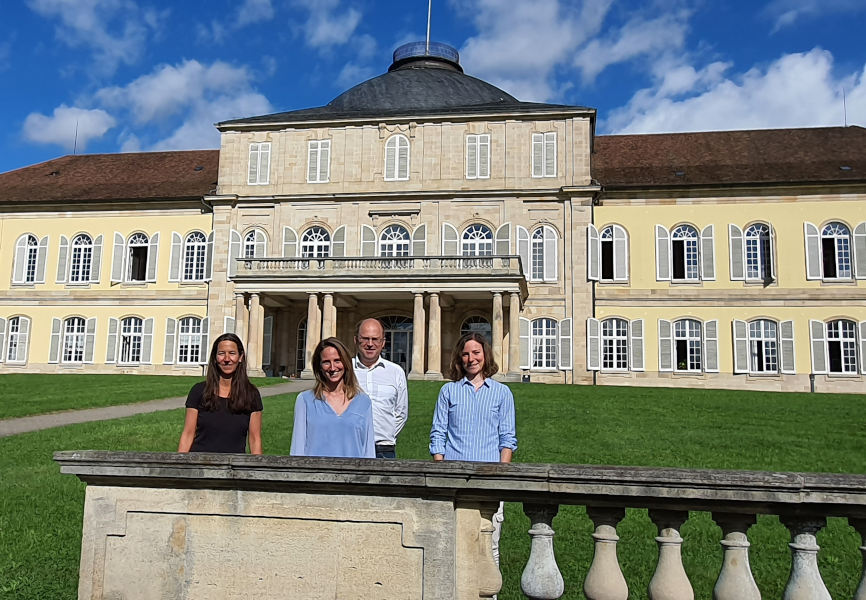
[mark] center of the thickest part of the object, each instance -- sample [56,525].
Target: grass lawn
[25,394]
[41,511]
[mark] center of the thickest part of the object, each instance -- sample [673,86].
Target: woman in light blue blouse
[335,418]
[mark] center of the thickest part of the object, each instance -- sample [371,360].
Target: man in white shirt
[385,383]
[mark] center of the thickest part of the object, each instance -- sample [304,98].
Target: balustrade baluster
[860,526]
[604,580]
[541,579]
[735,580]
[805,581]
[489,577]
[670,582]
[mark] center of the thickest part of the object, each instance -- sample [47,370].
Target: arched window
[836,251]
[136,257]
[398,340]
[82,257]
[301,357]
[477,325]
[130,340]
[254,244]
[687,345]
[543,254]
[26,259]
[763,346]
[17,332]
[842,346]
[477,241]
[685,260]
[758,255]
[394,241]
[315,243]
[194,256]
[189,341]
[614,344]
[73,340]
[543,344]
[397,158]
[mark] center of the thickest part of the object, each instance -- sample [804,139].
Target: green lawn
[25,395]
[41,511]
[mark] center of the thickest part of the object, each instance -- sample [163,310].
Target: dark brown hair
[243,392]
[456,371]
[350,382]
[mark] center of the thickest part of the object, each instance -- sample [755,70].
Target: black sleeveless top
[220,430]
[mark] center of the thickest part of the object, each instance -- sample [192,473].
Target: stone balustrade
[225,526]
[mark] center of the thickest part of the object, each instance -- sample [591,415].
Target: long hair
[242,393]
[350,382]
[456,371]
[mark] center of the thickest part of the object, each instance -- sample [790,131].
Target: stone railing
[379,266]
[225,526]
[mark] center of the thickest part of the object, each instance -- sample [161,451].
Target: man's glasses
[369,340]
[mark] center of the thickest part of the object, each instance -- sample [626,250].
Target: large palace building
[441,204]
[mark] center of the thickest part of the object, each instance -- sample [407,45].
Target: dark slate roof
[133,176]
[730,157]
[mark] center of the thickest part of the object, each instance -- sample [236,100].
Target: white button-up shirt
[385,383]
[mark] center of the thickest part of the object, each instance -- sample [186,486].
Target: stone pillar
[312,334]
[418,328]
[496,323]
[669,582]
[328,325]
[241,317]
[514,336]
[434,338]
[604,580]
[735,580]
[804,582]
[541,577]
[254,336]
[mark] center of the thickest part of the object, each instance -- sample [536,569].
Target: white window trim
[481,164]
[259,173]
[547,143]
[316,149]
[392,172]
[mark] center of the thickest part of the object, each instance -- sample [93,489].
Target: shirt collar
[359,365]
[465,381]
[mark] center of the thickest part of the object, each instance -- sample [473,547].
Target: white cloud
[249,12]
[787,12]
[69,127]
[329,23]
[254,11]
[115,30]
[797,90]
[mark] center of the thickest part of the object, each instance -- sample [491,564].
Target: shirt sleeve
[507,434]
[370,442]
[438,432]
[257,401]
[299,429]
[401,409]
[193,399]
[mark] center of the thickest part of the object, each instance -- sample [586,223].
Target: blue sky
[143,75]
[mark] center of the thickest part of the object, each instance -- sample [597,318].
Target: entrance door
[398,341]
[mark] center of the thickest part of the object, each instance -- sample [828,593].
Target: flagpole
[429,7]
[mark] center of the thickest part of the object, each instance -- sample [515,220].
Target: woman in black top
[225,410]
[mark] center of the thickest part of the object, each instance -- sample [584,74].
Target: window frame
[472,241]
[478,147]
[843,258]
[74,341]
[129,339]
[315,248]
[189,340]
[80,259]
[543,145]
[194,257]
[617,345]
[543,344]
[398,146]
[395,247]
[258,150]
[316,149]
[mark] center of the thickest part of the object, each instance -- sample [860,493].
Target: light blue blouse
[319,431]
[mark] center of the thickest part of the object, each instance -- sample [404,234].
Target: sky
[94,76]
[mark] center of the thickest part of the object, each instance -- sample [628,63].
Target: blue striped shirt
[472,424]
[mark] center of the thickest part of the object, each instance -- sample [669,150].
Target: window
[684,252]
[190,341]
[26,269]
[688,346]
[477,241]
[254,244]
[543,344]
[315,243]
[82,257]
[752,253]
[607,254]
[477,325]
[834,254]
[394,241]
[836,251]
[614,344]
[260,163]
[835,346]
[73,340]
[318,161]
[17,330]
[136,258]
[542,254]
[544,154]
[478,156]
[301,356]
[683,255]
[397,158]
[763,347]
[194,256]
[130,340]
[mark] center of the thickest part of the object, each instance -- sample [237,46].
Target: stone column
[541,577]
[241,317]
[312,334]
[514,335]
[735,580]
[328,316]
[254,336]
[804,581]
[669,582]
[434,338]
[418,328]
[496,322]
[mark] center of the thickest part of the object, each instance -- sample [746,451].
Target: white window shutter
[550,246]
[117,258]
[741,346]
[391,158]
[711,346]
[663,254]
[737,254]
[111,346]
[170,328]
[63,260]
[260,245]
[666,346]
[267,340]
[176,256]
[54,348]
[152,257]
[620,254]
[813,251]
[863,347]
[2,339]
[419,241]
[96,261]
[523,250]
[593,253]
[253,176]
[484,156]
[450,247]
[229,325]
[708,254]
[636,345]
[524,343]
[290,243]
[264,162]
[503,240]
[41,255]
[593,344]
[20,263]
[368,241]
[203,345]
[550,154]
[324,161]
[565,345]
[471,156]
[819,347]
[147,342]
[772,252]
[787,361]
[403,158]
[89,339]
[23,339]
[312,161]
[338,242]
[538,155]
[208,259]
[860,252]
